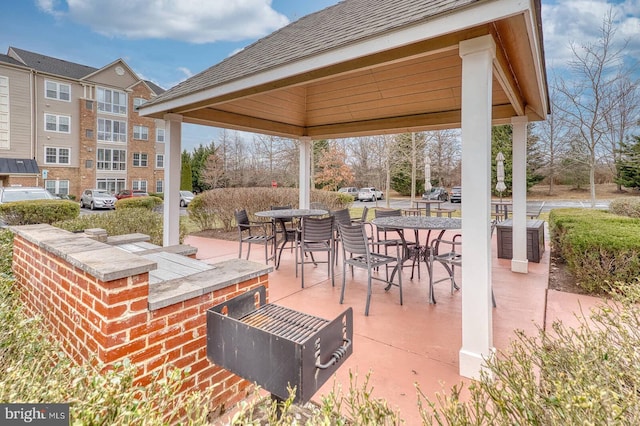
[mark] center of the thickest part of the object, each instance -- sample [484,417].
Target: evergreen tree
[186,182]
[628,164]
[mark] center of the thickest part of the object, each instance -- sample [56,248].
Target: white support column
[172,165]
[305,172]
[519,262]
[477,322]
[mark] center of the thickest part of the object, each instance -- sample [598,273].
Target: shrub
[148,203]
[157,194]
[566,376]
[627,206]
[214,208]
[122,221]
[38,211]
[598,247]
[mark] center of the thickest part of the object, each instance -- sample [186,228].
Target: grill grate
[284,322]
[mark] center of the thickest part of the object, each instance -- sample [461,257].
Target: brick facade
[111,320]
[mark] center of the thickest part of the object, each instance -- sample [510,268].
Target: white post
[477,322]
[519,262]
[172,165]
[305,172]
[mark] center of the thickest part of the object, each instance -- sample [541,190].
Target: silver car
[185,198]
[23,193]
[97,199]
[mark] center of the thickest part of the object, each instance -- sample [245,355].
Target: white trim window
[139,185]
[57,123]
[112,130]
[159,162]
[159,135]
[4,113]
[141,133]
[137,102]
[57,91]
[57,187]
[113,101]
[113,185]
[55,155]
[140,159]
[111,159]
[160,186]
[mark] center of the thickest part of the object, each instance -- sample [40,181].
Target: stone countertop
[226,273]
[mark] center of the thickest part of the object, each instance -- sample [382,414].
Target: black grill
[277,347]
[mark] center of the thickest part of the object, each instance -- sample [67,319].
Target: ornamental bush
[38,211]
[627,206]
[598,247]
[148,203]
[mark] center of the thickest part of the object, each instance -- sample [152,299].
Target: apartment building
[68,127]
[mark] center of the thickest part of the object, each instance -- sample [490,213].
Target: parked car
[370,194]
[351,190]
[10,194]
[185,198]
[128,193]
[97,199]
[456,194]
[436,193]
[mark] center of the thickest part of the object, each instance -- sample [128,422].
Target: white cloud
[580,22]
[186,71]
[195,21]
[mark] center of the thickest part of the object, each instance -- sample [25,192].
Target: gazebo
[365,67]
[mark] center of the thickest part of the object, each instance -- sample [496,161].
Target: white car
[369,194]
[185,198]
[23,193]
[97,199]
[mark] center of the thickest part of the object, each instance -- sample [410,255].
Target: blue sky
[167,41]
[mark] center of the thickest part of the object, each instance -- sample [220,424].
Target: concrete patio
[416,342]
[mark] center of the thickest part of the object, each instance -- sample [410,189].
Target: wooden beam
[228,120]
[503,73]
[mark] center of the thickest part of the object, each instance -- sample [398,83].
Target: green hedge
[214,209]
[123,221]
[598,247]
[38,211]
[148,203]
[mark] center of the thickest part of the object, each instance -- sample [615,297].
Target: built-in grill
[277,347]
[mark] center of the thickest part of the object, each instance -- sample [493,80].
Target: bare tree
[590,93]
[554,135]
[443,148]
[622,117]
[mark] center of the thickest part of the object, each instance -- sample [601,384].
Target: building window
[159,135]
[88,104]
[88,133]
[139,185]
[141,132]
[53,155]
[57,187]
[159,161]
[111,159]
[112,185]
[57,123]
[4,112]
[112,101]
[160,186]
[112,130]
[137,102]
[140,159]
[58,91]
[88,164]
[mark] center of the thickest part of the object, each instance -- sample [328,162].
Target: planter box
[535,239]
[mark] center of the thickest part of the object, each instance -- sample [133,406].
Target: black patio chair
[390,237]
[358,253]
[316,235]
[251,232]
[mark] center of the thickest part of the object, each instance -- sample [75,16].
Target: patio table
[285,214]
[400,223]
[502,208]
[427,205]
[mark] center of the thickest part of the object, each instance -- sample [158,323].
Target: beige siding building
[68,127]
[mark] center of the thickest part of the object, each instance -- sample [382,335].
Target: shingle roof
[339,25]
[18,166]
[157,89]
[52,65]
[9,60]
